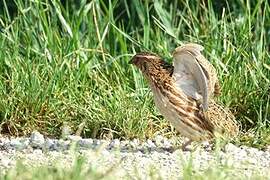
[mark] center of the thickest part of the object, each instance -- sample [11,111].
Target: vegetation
[67,63]
[80,169]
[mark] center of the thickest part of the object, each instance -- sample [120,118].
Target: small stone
[253,151]
[15,143]
[104,142]
[115,143]
[124,146]
[207,146]
[167,144]
[37,151]
[159,140]
[231,148]
[50,144]
[150,144]
[242,153]
[86,143]
[25,142]
[37,140]
[126,142]
[134,143]
[96,142]
[63,145]
[105,153]
[74,138]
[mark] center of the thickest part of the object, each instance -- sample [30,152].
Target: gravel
[130,158]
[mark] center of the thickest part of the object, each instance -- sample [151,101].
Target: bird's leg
[184,146]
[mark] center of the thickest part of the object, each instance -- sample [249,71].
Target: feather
[189,76]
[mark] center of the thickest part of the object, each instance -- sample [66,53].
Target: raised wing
[208,69]
[189,75]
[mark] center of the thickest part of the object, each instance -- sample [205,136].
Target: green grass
[78,170]
[69,63]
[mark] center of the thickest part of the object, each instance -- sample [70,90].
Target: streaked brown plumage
[181,109]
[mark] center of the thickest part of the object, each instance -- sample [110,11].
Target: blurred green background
[66,63]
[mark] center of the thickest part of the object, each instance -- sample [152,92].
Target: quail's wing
[190,76]
[192,47]
[208,69]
